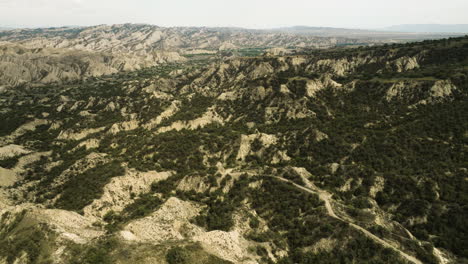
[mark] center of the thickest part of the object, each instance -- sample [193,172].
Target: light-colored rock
[78,135]
[442,89]
[23,129]
[168,223]
[195,183]
[443,259]
[396,90]
[20,64]
[297,60]
[334,167]
[7,177]
[124,126]
[12,150]
[378,186]
[314,86]
[246,142]
[168,112]
[66,224]
[324,245]
[228,96]
[347,186]
[91,143]
[230,246]
[118,193]
[277,52]
[209,117]
[259,93]
[320,136]
[262,70]
[69,225]
[28,159]
[280,156]
[405,64]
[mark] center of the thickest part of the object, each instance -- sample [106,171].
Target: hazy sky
[242,13]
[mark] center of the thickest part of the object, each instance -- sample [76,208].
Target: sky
[371,14]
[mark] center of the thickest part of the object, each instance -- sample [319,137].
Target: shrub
[177,255]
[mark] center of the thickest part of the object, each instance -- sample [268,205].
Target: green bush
[9,163]
[81,189]
[177,255]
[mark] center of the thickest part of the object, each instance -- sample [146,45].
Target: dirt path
[326,198]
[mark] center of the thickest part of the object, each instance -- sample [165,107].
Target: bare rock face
[398,90]
[7,177]
[78,135]
[145,39]
[12,150]
[277,52]
[66,224]
[169,223]
[227,245]
[404,64]
[71,225]
[123,126]
[208,117]
[65,54]
[20,64]
[313,86]
[121,190]
[257,144]
[421,92]
[442,89]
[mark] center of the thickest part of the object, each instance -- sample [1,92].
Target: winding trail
[326,197]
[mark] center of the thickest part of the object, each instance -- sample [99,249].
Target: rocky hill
[47,55]
[21,65]
[142,38]
[67,54]
[333,156]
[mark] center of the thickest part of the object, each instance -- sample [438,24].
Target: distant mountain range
[394,32]
[429,28]
[333,31]
[321,30]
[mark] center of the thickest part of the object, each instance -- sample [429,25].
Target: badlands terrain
[140,144]
[65,54]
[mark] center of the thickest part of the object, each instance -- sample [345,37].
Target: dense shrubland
[419,150]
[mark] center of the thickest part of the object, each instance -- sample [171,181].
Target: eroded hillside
[68,54]
[20,65]
[337,156]
[142,38]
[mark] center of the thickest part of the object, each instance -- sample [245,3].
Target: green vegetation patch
[192,254]
[9,163]
[22,236]
[83,188]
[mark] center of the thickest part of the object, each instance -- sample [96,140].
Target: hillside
[142,38]
[75,53]
[46,55]
[20,65]
[324,156]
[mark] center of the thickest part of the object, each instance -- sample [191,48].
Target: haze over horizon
[259,14]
